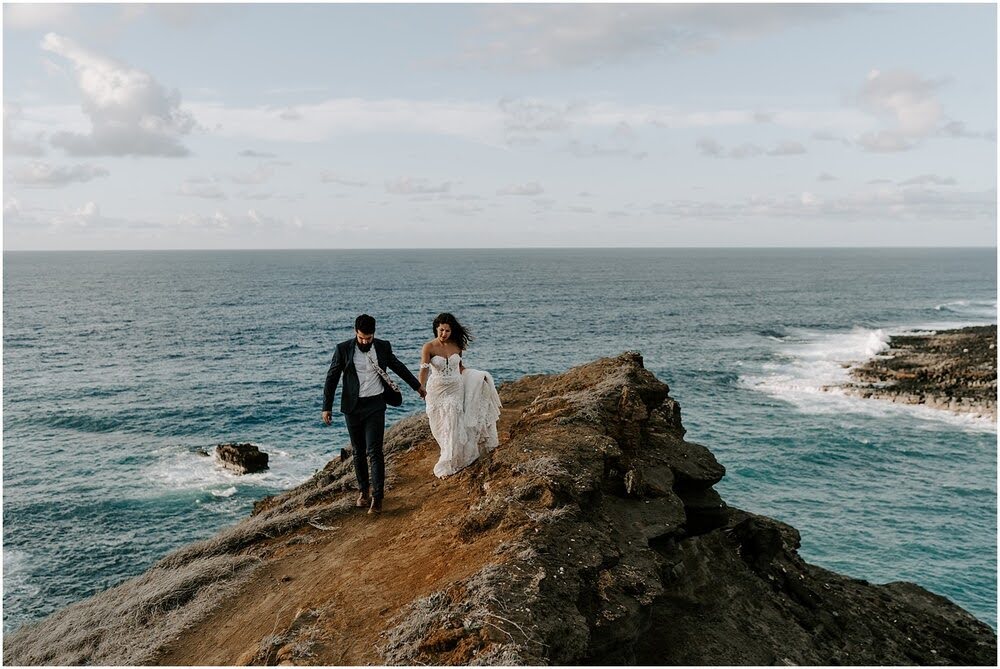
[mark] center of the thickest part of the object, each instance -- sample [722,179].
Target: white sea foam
[811,366]
[182,469]
[221,506]
[16,574]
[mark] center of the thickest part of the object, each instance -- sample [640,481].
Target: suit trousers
[366,426]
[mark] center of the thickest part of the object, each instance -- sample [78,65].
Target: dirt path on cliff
[355,577]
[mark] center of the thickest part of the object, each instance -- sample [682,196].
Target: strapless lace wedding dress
[462,409]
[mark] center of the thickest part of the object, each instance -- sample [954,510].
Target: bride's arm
[425,363]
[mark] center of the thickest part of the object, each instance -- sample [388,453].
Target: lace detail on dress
[462,410]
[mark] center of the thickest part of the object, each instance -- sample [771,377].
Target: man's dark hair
[365,323]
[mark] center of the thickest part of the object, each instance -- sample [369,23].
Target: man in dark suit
[362,403]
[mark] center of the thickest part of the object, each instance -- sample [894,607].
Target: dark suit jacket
[343,364]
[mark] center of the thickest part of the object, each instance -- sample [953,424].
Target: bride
[462,403]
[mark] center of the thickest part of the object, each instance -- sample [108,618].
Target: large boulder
[241,458]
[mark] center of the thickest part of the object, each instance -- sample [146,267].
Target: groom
[362,404]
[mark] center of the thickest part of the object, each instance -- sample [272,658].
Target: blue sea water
[118,367]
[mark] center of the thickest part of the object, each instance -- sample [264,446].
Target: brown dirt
[357,577]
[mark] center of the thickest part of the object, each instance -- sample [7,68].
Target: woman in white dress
[462,403]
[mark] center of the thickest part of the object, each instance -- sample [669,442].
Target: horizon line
[509,248]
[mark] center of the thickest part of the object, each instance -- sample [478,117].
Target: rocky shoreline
[593,535]
[951,370]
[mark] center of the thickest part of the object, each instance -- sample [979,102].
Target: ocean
[119,367]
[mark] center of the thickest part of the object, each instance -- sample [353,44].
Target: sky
[270,126]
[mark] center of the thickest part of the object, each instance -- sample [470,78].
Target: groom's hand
[422,392]
[326,418]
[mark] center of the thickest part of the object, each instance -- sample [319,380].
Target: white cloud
[88,212]
[907,103]
[929,179]
[130,112]
[590,150]
[328,177]
[826,176]
[713,149]
[250,153]
[216,220]
[826,135]
[11,206]
[532,188]
[465,209]
[884,202]
[414,186]
[885,141]
[910,100]
[746,150]
[526,118]
[66,219]
[959,129]
[787,148]
[284,197]
[526,36]
[198,187]
[250,221]
[42,175]
[709,147]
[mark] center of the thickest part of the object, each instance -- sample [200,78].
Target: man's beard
[365,347]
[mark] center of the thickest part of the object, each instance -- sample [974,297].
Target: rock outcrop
[241,458]
[953,370]
[592,535]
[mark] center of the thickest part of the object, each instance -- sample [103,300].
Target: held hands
[326,418]
[422,392]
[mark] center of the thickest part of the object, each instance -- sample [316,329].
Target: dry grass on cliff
[126,624]
[470,612]
[130,622]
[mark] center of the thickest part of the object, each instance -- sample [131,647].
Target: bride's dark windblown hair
[459,335]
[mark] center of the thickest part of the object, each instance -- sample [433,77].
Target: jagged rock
[592,535]
[954,370]
[241,458]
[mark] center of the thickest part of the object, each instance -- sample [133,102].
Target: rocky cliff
[592,535]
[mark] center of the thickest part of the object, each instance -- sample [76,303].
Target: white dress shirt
[371,384]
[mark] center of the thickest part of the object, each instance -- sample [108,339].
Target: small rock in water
[241,458]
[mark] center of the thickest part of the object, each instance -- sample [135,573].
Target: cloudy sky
[368,126]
